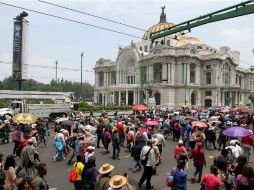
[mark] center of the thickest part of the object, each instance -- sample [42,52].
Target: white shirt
[161,139]
[87,155]
[59,137]
[151,157]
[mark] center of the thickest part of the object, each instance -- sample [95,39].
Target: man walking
[147,157]
[199,161]
[115,144]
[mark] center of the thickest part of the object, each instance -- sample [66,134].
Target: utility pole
[81,69]
[56,70]
[142,80]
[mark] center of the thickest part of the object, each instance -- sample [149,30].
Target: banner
[17,51]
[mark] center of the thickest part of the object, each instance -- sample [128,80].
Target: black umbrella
[67,123]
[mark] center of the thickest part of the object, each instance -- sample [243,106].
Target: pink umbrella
[139,107]
[152,123]
[199,124]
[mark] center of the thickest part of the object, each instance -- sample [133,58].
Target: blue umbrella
[192,118]
[202,113]
[212,109]
[227,119]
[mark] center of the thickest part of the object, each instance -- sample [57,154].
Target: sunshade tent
[24,118]
[236,132]
[199,124]
[140,107]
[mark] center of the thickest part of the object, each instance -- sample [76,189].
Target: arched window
[130,75]
[226,74]
[192,73]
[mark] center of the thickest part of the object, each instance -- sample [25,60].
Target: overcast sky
[51,39]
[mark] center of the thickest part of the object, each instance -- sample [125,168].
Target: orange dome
[155,28]
[188,40]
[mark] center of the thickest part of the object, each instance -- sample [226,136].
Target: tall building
[173,72]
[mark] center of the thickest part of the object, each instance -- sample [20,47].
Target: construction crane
[237,10]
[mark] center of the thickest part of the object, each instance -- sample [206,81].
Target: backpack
[72,141]
[170,178]
[129,137]
[107,137]
[2,176]
[145,157]
[73,175]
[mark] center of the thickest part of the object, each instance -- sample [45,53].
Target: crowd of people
[144,134]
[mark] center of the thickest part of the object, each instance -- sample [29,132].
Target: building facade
[173,72]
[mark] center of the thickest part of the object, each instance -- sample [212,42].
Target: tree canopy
[84,93]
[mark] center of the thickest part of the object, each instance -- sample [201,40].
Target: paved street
[58,172]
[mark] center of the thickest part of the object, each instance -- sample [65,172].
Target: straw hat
[106,168]
[80,135]
[155,141]
[114,129]
[90,148]
[117,181]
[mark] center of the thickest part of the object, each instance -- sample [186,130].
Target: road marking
[53,188]
[125,156]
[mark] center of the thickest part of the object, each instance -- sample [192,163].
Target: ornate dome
[188,40]
[163,24]
[155,28]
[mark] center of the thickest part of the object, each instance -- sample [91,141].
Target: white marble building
[176,72]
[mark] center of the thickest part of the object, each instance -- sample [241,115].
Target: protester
[248,143]
[104,177]
[211,181]
[40,182]
[78,184]
[115,144]
[117,182]
[180,176]
[10,173]
[198,161]
[245,181]
[180,150]
[148,157]
[89,152]
[135,153]
[89,174]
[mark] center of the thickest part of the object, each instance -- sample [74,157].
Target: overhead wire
[71,20]
[48,67]
[92,15]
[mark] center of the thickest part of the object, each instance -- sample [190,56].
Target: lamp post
[56,70]
[104,102]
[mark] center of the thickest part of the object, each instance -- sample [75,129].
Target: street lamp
[56,70]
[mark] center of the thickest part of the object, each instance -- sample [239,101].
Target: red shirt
[178,150]
[248,140]
[198,155]
[120,128]
[211,182]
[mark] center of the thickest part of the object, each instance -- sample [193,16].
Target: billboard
[19,69]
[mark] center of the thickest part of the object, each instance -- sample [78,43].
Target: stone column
[96,80]
[119,98]
[172,73]
[151,77]
[126,97]
[104,79]
[188,73]
[164,73]
[198,74]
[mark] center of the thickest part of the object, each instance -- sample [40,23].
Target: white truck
[21,103]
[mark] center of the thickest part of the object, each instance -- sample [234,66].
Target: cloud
[236,35]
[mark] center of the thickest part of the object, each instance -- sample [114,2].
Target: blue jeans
[136,164]
[116,151]
[121,139]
